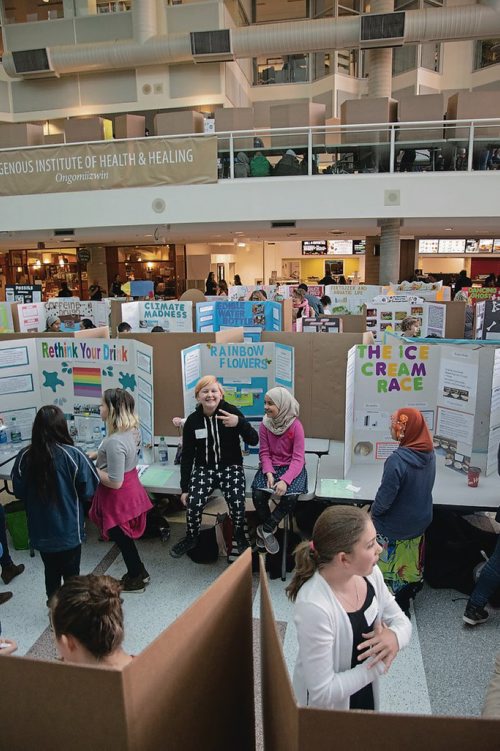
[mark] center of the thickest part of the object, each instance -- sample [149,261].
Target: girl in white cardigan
[349,626]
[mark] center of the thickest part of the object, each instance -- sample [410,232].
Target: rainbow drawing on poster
[87,382]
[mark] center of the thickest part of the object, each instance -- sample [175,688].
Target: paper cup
[473,477]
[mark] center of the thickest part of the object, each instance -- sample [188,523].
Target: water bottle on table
[163,450]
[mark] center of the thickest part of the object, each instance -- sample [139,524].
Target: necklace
[352,607]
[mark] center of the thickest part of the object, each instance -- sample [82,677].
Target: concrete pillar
[379,61]
[97,267]
[389,250]
[372,261]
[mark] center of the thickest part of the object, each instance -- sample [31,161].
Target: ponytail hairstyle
[89,608]
[49,429]
[121,411]
[337,530]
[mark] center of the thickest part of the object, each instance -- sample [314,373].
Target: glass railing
[434,146]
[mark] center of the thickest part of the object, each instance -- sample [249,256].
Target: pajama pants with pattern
[230,480]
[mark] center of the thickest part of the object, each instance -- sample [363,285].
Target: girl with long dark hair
[54,478]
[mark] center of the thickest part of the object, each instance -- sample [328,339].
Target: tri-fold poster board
[171,315]
[246,371]
[73,374]
[387,315]
[487,322]
[456,387]
[253,317]
[33,316]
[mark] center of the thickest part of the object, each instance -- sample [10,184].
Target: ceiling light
[242,245]
[448,229]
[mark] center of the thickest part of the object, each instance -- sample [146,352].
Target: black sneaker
[474,615]
[182,547]
[241,542]
[135,585]
[144,574]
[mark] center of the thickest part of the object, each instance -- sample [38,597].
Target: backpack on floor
[452,552]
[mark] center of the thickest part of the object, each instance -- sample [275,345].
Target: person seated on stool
[211,458]
[87,617]
[282,464]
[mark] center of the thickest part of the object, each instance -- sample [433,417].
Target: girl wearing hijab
[402,509]
[282,471]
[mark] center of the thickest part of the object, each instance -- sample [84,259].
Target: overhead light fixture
[242,245]
[139,258]
[448,229]
[150,265]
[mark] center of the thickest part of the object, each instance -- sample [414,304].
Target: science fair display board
[487,323]
[171,315]
[253,317]
[457,389]
[274,292]
[6,322]
[430,291]
[246,371]
[73,374]
[322,325]
[33,316]
[388,315]
[350,298]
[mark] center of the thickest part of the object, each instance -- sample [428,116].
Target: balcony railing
[430,146]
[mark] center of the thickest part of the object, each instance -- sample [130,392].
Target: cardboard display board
[457,389]
[6,318]
[427,290]
[477,294]
[254,317]
[324,324]
[246,371]
[382,316]
[288,727]
[320,379]
[191,689]
[245,291]
[73,374]
[23,293]
[32,317]
[350,298]
[171,315]
[487,321]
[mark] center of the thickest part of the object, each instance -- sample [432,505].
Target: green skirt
[401,562]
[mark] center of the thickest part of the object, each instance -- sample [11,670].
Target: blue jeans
[5,559]
[489,579]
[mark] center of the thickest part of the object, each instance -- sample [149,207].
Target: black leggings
[128,550]
[61,565]
[231,481]
[268,519]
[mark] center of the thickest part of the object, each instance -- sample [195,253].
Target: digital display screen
[340,247]
[485,246]
[428,246]
[472,246]
[358,247]
[314,247]
[496,246]
[452,246]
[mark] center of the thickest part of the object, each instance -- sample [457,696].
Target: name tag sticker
[371,611]
[201,433]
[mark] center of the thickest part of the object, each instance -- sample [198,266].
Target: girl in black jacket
[211,458]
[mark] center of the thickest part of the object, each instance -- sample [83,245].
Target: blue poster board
[254,317]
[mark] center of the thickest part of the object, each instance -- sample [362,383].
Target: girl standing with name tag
[349,626]
[211,458]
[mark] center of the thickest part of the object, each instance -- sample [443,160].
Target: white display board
[350,298]
[33,316]
[171,315]
[245,370]
[457,389]
[426,290]
[388,316]
[73,374]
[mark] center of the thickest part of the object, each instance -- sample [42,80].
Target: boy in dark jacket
[211,458]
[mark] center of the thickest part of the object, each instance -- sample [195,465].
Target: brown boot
[4,596]
[11,571]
